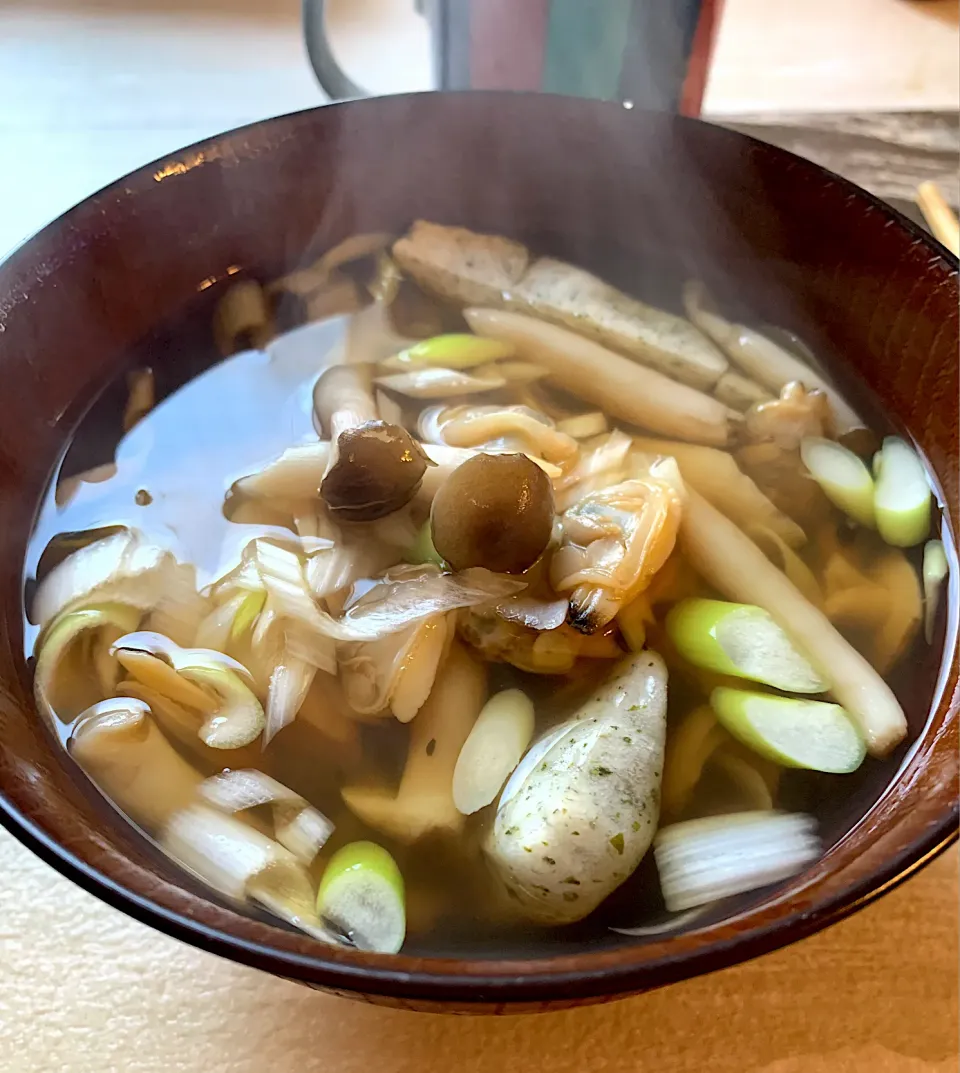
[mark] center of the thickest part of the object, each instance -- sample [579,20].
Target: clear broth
[217,420]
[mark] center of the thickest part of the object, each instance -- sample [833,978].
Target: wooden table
[84,989]
[89,90]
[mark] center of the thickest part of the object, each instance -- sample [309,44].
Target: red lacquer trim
[698,68]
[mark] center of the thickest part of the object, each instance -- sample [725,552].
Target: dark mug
[648,53]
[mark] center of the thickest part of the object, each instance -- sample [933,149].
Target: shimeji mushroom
[424,803]
[298,472]
[717,477]
[494,511]
[375,468]
[295,475]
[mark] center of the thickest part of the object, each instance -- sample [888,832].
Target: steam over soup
[467,590]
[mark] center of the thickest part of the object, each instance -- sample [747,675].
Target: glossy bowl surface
[649,201]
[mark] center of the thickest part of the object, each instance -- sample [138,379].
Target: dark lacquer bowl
[647,200]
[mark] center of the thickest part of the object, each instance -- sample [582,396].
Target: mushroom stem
[343,399]
[717,477]
[623,388]
[374,468]
[761,358]
[119,745]
[424,801]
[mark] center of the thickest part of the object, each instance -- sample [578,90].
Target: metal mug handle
[334,81]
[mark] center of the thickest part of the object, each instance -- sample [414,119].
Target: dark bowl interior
[648,201]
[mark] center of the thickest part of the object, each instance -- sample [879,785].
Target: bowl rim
[462,987]
[468,981]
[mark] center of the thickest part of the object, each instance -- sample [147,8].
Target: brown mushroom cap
[379,468]
[494,511]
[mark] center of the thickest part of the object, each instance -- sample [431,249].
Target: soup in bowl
[499,567]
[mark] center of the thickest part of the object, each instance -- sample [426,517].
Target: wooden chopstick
[939,216]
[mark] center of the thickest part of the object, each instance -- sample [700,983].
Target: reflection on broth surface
[469,603]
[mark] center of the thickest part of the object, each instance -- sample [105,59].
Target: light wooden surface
[888,153]
[851,56]
[90,89]
[84,989]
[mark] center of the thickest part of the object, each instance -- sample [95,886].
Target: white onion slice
[673,923]
[121,568]
[701,861]
[400,600]
[298,826]
[395,604]
[240,862]
[179,658]
[493,748]
[935,570]
[289,685]
[433,383]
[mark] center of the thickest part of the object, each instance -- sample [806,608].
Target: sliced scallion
[422,550]
[842,475]
[741,640]
[208,682]
[902,500]
[791,731]
[247,612]
[455,351]
[361,894]
[52,681]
